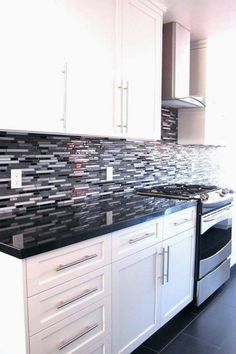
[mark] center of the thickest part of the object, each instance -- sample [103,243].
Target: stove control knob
[204,197]
[223,192]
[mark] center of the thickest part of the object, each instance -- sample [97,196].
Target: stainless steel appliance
[176,69]
[214,227]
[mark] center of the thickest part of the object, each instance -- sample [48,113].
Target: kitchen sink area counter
[44,229]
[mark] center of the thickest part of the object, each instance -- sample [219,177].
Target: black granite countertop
[43,229]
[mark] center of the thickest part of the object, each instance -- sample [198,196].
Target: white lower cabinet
[75,332]
[178,277]
[134,300]
[105,295]
[53,305]
[101,347]
[151,286]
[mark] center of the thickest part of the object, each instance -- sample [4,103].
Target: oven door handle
[215,215]
[208,221]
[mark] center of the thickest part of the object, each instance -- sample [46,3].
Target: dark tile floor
[210,329]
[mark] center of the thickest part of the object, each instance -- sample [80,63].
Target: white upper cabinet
[59,71]
[90,53]
[31,66]
[138,81]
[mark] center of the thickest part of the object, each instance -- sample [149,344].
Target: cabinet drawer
[178,222]
[101,347]
[50,269]
[136,238]
[53,305]
[76,332]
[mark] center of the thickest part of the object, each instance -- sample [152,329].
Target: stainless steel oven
[214,249]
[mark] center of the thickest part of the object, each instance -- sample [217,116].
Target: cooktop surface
[177,190]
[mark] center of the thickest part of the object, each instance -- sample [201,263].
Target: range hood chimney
[176,68]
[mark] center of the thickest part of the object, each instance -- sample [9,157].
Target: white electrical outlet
[109,217]
[109,173]
[18,241]
[16,179]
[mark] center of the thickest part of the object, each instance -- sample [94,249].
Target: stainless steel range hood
[176,68]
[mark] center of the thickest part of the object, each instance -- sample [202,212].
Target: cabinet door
[177,290]
[134,300]
[31,65]
[90,54]
[140,32]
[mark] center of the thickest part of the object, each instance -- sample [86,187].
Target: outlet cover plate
[16,179]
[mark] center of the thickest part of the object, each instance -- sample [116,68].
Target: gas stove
[208,197]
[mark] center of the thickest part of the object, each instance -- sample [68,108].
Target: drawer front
[179,222]
[76,332]
[101,347]
[53,268]
[53,305]
[136,238]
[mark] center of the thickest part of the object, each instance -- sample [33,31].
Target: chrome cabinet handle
[133,240]
[78,336]
[121,107]
[65,72]
[127,105]
[80,296]
[177,223]
[168,264]
[81,260]
[163,266]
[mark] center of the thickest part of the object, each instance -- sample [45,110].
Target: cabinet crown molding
[155,5]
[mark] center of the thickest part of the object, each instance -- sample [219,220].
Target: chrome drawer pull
[133,240]
[163,266]
[81,260]
[168,264]
[121,106]
[127,105]
[177,223]
[83,294]
[81,334]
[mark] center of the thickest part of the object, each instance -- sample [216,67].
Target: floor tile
[143,350]
[186,344]
[170,330]
[228,295]
[229,344]
[214,324]
[233,272]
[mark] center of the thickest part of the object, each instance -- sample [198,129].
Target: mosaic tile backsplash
[63,170]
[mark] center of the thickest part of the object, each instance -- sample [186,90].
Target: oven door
[215,239]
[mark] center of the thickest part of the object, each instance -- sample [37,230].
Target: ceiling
[204,18]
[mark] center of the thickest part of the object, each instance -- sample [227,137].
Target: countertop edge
[39,249]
